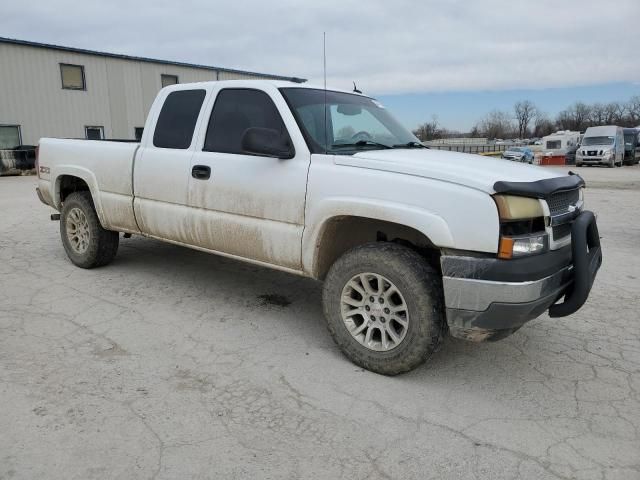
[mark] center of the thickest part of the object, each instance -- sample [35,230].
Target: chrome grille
[559,202]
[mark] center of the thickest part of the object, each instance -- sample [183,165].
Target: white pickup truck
[410,242]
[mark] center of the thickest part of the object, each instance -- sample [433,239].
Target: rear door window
[178,118]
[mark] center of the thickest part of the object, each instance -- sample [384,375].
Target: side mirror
[267,142]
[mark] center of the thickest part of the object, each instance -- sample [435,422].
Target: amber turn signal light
[506,247]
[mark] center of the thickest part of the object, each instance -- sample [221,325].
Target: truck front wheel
[384,307]
[87,244]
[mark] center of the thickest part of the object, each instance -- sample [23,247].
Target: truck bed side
[105,167]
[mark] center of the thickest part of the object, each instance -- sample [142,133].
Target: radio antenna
[324,68]
[324,58]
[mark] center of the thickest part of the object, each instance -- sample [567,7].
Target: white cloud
[386,47]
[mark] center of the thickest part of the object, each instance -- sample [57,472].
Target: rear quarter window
[177,119]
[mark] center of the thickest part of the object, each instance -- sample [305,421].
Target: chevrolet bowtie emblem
[571,208]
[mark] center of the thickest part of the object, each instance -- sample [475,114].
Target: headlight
[521,226]
[511,207]
[511,247]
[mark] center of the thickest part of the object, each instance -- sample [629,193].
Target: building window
[10,137]
[167,80]
[138,131]
[72,77]
[94,133]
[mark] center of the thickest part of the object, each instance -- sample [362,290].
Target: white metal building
[54,91]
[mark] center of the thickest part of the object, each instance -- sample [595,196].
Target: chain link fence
[471,148]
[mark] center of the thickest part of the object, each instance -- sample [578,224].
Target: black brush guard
[587,258]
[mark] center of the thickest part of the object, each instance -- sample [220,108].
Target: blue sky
[461,110]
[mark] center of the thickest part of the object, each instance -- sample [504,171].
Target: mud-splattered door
[251,206]
[163,165]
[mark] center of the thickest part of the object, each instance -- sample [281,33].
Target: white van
[601,146]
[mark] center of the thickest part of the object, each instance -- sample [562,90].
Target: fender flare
[83,174]
[434,227]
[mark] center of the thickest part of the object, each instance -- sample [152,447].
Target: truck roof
[257,83]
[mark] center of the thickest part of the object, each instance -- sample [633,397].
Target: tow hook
[55,217]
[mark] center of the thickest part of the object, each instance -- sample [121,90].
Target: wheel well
[343,233]
[69,184]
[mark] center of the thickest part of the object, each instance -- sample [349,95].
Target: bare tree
[475,132]
[496,124]
[617,113]
[633,111]
[581,112]
[525,112]
[576,117]
[599,114]
[564,120]
[543,125]
[429,130]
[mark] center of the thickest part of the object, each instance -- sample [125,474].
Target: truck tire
[87,244]
[384,307]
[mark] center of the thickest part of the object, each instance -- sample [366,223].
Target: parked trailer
[558,143]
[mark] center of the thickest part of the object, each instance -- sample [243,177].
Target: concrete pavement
[171,363]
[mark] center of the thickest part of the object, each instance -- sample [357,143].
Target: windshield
[353,122]
[586,141]
[516,149]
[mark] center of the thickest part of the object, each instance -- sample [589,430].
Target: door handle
[201,172]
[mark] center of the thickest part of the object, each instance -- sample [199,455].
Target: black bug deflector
[587,258]
[540,188]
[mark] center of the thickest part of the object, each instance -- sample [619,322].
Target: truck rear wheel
[384,307]
[87,244]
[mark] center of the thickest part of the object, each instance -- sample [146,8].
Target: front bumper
[593,160]
[489,298]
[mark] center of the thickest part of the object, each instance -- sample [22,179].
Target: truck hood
[473,171]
